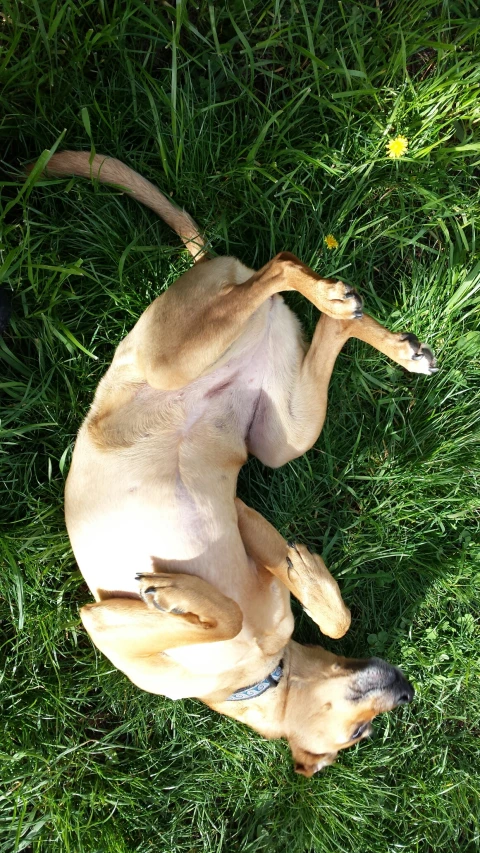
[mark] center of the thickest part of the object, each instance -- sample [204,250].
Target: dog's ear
[307,763]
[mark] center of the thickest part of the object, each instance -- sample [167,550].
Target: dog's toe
[420,354]
[345,302]
[163,591]
[154,589]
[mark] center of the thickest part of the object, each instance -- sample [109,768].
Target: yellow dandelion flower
[330,242]
[397,147]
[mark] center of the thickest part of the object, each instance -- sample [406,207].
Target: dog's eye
[359,731]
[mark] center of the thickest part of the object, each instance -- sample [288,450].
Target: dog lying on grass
[192,587]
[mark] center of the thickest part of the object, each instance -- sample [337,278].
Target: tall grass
[269,123]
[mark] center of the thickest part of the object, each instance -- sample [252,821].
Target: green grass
[268,122]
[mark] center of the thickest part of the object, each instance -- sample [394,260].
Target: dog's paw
[342,301]
[189,599]
[298,558]
[162,591]
[416,357]
[318,591]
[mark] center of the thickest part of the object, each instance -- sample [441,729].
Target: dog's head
[331,701]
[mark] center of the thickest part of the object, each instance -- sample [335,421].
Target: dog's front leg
[174,610]
[303,573]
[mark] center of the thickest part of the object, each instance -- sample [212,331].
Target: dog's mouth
[362,731]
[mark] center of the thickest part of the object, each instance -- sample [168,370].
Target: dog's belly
[153,526]
[164,526]
[166,500]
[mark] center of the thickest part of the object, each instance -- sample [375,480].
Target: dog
[191,586]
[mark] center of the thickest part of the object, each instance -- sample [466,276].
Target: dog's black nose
[393,681]
[376,675]
[404,691]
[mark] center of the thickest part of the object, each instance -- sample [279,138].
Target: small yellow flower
[330,242]
[397,147]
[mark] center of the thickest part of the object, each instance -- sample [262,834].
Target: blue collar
[259,688]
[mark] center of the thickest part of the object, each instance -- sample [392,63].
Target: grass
[269,123]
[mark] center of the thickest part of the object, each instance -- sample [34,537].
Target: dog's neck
[274,714]
[265,713]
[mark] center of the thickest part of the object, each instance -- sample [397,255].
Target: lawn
[269,122]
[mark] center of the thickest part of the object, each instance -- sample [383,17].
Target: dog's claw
[342,301]
[420,353]
[411,338]
[358,302]
[290,566]
[358,312]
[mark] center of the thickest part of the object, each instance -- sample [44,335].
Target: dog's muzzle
[377,676]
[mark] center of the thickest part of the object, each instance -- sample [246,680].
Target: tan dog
[216,368]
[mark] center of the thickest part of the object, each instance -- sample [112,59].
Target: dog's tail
[111,171]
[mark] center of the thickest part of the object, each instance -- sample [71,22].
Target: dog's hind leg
[184,333]
[303,573]
[188,329]
[293,405]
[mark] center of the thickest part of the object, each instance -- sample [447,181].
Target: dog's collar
[258,688]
